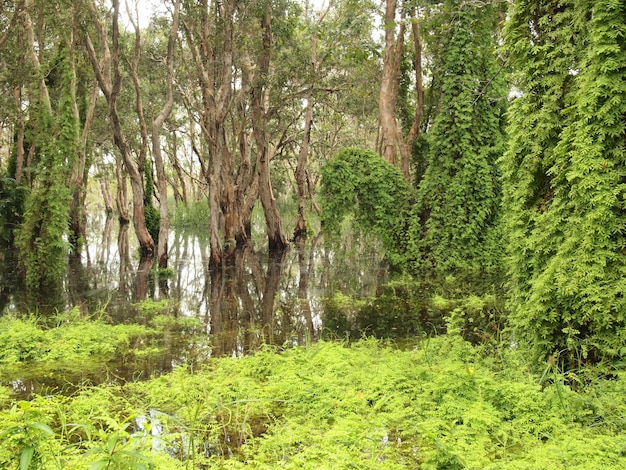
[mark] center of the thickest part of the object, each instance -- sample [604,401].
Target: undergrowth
[64,350]
[443,404]
[194,215]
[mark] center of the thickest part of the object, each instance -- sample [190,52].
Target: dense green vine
[453,226]
[42,237]
[459,192]
[360,182]
[564,175]
[153,218]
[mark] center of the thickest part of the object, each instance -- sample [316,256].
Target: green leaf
[43,427]
[111,443]
[100,464]
[26,457]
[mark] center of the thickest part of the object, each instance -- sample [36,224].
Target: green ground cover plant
[69,348]
[441,404]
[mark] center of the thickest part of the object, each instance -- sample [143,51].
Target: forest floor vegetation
[436,403]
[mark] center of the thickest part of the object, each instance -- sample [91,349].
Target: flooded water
[259,300]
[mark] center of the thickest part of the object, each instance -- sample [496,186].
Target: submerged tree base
[442,404]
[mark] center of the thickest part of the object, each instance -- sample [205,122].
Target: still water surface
[259,300]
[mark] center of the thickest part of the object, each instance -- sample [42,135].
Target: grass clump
[440,405]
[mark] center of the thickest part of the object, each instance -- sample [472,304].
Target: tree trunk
[157,126]
[214,61]
[414,132]
[111,88]
[388,89]
[78,222]
[302,183]
[300,230]
[392,141]
[105,190]
[275,236]
[121,195]
[173,156]
[247,180]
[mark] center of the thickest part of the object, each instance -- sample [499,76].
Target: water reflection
[259,299]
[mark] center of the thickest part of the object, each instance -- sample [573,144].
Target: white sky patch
[147,8]
[143,10]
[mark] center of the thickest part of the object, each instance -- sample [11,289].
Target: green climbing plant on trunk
[360,182]
[42,238]
[564,179]
[459,192]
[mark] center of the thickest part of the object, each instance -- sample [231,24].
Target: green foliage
[409,307]
[564,175]
[12,200]
[459,192]
[27,343]
[42,237]
[27,439]
[454,226]
[360,182]
[400,311]
[440,404]
[95,429]
[119,447]
[151,213]
[194,215]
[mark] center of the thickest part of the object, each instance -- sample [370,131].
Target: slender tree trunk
[78,222]
[111,88]
[302,183]
[275,234]
[173,157]
[414,132]
[230,210]
[247,180]
[44,96]
[157,126]
[121,195]
[105,190]
[300,230]
[134,68]
[123,248]
[306,266]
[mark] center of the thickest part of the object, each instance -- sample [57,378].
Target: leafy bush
[71,350]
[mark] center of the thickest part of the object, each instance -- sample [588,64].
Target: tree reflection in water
[257,299]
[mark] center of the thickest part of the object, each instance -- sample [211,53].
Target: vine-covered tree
[459,192]
[47,149]
[454,222]
[359,182]
[564,175]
